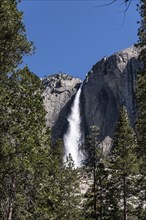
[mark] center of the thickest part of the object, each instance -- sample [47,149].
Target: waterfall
[73,139]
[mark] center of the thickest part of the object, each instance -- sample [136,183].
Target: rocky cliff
[58,96]
[110,83]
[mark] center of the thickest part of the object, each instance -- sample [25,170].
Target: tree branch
[107,4]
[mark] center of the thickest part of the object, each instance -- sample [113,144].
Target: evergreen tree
[24,144]
[96,206]
[70,191]
[25,140]
[13,40]
[60,196]
[123,170]
[141,83]
[48,194]
[141,111]
[33,182]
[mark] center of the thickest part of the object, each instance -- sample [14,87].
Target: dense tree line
[34,184]
[124,169]
[117,190]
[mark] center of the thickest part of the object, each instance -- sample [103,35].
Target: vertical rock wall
[111,83]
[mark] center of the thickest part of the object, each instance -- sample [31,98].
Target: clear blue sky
[71,36]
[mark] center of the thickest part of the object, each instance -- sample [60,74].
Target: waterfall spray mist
[73,139]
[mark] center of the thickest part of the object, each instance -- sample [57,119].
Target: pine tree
[13,40]
[96,206]
[32,177]
[59,197]
[123,170]
[141,111]
[70,191]
[47,198]
[24,144]
[25,140]
[141,83]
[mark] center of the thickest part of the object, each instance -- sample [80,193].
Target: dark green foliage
[70,192]
[24,144]
[142,28]
[34,184]
[141,112]
[13,41]
[141,82]
[113,192]
[60,196]
[141,85]
[123,169]
[15,141]
[96,204]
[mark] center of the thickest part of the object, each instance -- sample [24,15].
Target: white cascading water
[73,139]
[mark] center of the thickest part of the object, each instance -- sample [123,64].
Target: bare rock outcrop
[111,83]
[58,96]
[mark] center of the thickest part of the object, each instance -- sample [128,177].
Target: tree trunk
[124,198]
[94,187]
[95,198]
[100,210]
[144,204]
[11,201]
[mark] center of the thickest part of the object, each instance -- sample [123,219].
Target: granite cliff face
[110,83]
[58,96]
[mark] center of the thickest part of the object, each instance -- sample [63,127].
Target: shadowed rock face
[58,96]
[111,83]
